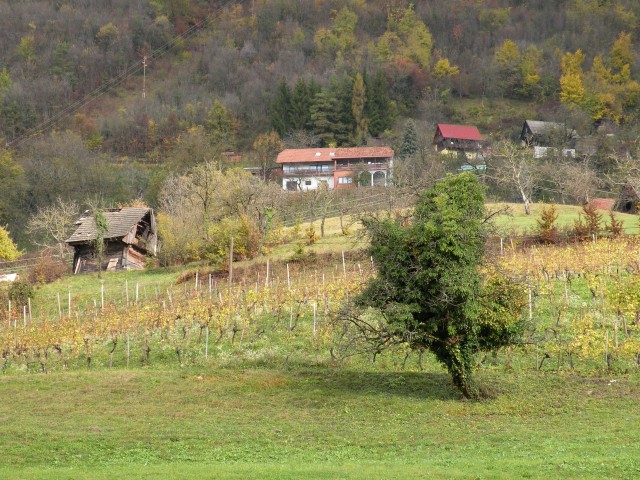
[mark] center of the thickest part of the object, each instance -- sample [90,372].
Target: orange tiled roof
[300,155]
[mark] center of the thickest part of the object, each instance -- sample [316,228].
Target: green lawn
[518,223]
[207,422]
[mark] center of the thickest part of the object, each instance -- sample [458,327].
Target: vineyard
[583,315]
[286,310]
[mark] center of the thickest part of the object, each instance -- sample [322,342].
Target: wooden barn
[629,199]
[131,236]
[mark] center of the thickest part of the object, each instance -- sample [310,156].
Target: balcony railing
[307,171]
[363,166]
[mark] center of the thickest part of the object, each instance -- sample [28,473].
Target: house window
[307,182]
[344,180]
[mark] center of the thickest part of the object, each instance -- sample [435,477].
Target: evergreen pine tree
[301,102]
[280,109]
[357,108]
[410,145]
[378,107]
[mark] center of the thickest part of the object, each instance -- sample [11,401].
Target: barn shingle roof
[119,221]
[538,127]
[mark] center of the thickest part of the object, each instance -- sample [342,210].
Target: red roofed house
[451,139]
[307,168]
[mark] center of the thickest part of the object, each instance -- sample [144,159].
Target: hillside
[221,76]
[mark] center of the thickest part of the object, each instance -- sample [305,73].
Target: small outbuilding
[629,198]
[131,235]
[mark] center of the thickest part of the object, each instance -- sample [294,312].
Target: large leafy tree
[429,291]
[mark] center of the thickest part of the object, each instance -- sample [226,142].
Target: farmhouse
[308,168]
[545,137]
[131,235]
[454,139]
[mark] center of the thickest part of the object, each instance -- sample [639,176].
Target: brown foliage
[46,270]
[547,228]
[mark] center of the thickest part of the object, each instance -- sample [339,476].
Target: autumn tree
[267,146]
[221,126]
[572,86]
[12,186]
[8,249]
[53,224]
[515,167]
[406,36]
[547,227]
[338,41]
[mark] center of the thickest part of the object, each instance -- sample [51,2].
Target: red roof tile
[298,155]
[461,132]
[606,204]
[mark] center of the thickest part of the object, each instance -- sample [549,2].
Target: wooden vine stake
[206,342]
[315,318]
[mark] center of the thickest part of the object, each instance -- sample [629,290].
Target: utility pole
[144,77]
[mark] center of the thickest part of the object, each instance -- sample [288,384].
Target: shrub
[616,226]
[246,240]
[588,223]
[46,270]
[547,228]
[20,292]
[310,235]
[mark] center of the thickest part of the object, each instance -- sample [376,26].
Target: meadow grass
[211,422]
[519,223]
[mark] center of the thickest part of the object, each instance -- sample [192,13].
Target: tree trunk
[461,373]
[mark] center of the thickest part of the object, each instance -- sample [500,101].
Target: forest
[118,102]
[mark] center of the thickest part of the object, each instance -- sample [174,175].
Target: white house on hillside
[307,168]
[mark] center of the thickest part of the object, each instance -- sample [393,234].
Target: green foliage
[339,41]
[326,115]
[302,99]
[107,36]
[20,292]
[406,35]
[429,289]
[5,82]
[27,48]
[102,227]
[280,114]
[12,186]
[221,126]
[379,108]
[358,100]
[410,145]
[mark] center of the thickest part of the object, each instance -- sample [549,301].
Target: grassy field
[208,422]
[518,223]
[275,405]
